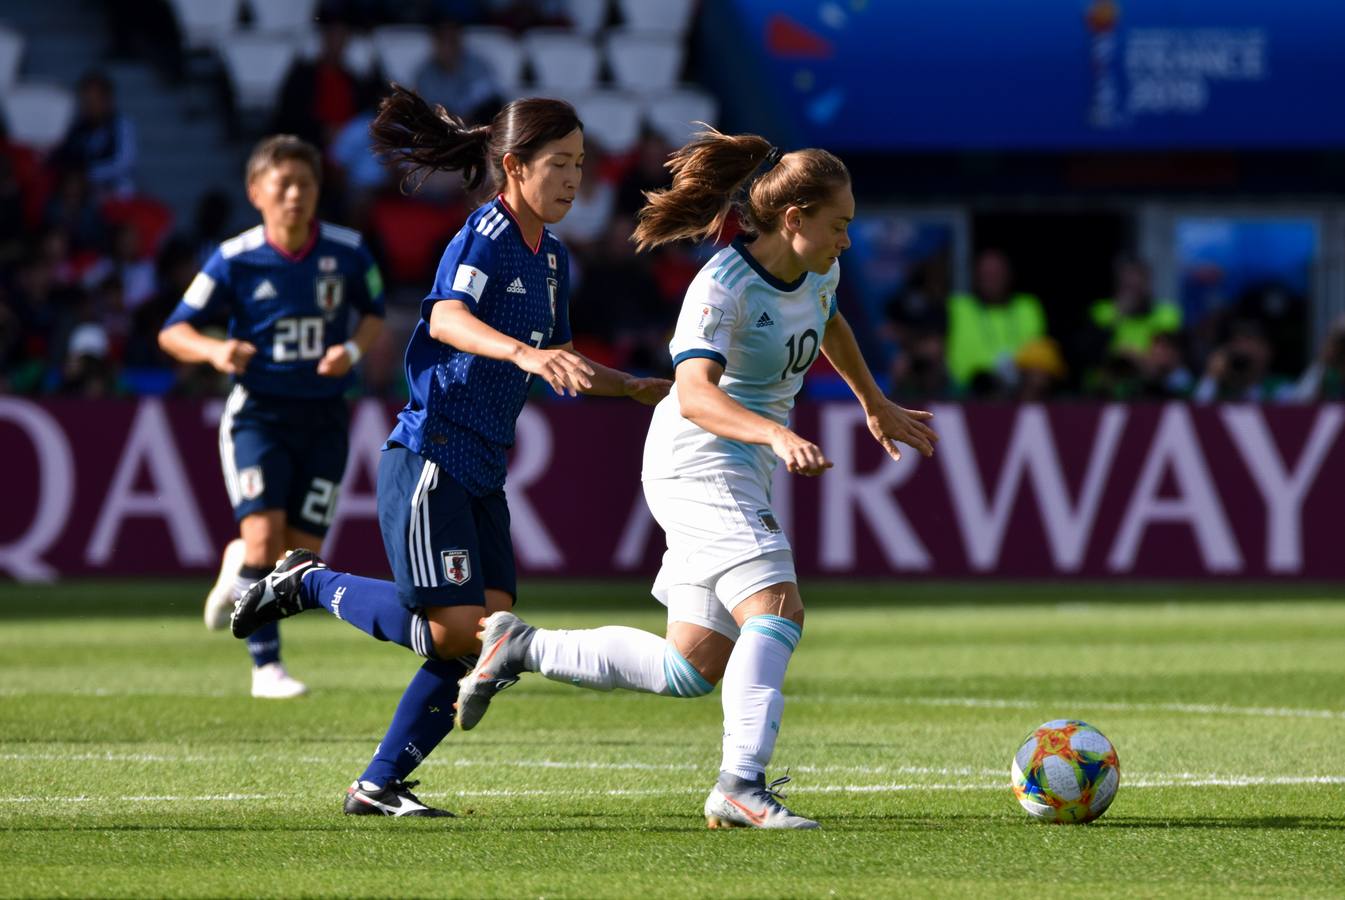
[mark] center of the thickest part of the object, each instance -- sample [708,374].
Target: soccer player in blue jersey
[496,317]
[753,321]
[288,288]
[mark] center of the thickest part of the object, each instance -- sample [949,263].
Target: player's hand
[801,457]
[889,423]
[565,371]
[335,362]
[232,356]
[648,391]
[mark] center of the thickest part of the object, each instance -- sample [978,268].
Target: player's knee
[454,630]
[686,679]
[781,600]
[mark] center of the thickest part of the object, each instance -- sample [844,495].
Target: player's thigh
[706,649]
[318,458]
[257,471]
[765,585]
[264,537]
[298,539]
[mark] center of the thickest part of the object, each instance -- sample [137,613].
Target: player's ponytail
[426,139]
[709,175]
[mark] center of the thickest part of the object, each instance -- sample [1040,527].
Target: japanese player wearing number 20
[288,288]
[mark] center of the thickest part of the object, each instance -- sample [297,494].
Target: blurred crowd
[995,342]
[91,264]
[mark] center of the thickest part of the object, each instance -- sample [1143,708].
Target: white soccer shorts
[724,545]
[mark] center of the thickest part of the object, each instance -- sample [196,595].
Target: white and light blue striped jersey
[765,333]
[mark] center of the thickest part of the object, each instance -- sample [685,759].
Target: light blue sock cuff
[786,631]
[682,677]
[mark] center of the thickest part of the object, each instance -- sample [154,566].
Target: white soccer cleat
[739,803]
[272,682]
[219,603]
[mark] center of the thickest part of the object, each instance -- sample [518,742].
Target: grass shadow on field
[1230,823]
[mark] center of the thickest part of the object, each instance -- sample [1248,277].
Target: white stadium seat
[644,63]
[669,17]
[673,115]
[11,54]
[562,60]
[38,115]
[282,15]
[587,16]
[610,118]
[402,50]
[204,23]
[257,65]
[499,49]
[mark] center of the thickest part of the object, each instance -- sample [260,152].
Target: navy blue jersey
[291,307]
[463,407]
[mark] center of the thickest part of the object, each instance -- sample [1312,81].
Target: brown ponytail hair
[708,178]
[430,139]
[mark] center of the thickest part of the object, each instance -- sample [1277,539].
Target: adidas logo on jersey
[265,291]
[516,287]
[764,321]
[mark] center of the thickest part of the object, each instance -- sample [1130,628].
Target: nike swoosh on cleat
[756,817]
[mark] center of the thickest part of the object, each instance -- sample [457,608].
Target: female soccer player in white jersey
[752,323]
[497,315]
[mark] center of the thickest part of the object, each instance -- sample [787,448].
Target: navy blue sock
[423,717]
[371,605]
[264,643]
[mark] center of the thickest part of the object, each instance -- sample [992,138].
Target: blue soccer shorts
[446,546]
[284,453]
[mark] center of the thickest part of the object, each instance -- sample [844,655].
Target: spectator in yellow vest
[988,327]
[1133,317]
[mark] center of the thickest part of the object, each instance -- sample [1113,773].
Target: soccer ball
[1066,772]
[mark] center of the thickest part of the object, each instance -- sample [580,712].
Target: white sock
[753,702]
[241,584]
[614,657]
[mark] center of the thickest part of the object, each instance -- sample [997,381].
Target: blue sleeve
[561,333]
[465,269]
[208,293]
[368,296]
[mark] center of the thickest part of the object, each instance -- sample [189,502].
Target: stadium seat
[610,118]
[402,49]
[205,23]
[151,220]
[672,115]
[257,65]
[644,63]
[11,54]
[38,115]
[500,49]
[587,16]
[666,17]
[287,16]
[562,61]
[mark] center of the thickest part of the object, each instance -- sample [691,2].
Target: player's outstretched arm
[185,344]
[608,382]
[705,403]
[452,323]
[888,422]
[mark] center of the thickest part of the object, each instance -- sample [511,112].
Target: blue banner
[1050,75]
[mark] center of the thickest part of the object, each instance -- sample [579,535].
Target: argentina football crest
[457,566]
[329,291]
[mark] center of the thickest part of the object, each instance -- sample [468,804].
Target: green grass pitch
[136,766]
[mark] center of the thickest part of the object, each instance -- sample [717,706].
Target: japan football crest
[457,566]
[330,289]
[250,483]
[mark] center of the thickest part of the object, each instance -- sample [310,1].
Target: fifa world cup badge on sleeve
[470,280]
[457,566]
[709,321]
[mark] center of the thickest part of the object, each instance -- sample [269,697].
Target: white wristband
[353,351]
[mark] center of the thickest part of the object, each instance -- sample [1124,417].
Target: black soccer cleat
[276,596]
[393,799]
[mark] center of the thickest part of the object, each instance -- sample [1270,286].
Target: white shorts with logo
[724,545]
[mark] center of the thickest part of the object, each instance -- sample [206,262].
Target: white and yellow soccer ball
[1066,772]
